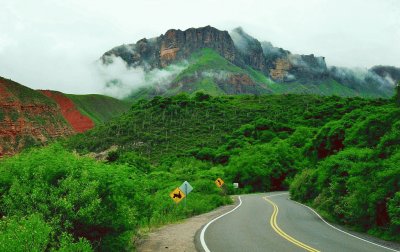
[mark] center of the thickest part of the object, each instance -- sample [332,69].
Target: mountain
[29,117]
[219,62]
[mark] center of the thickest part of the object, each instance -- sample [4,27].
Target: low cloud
[218,75]
[240,39]
[119,80]
[360,77]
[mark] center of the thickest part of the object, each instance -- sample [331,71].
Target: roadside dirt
[179,237]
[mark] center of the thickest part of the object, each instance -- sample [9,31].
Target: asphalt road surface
[272,222]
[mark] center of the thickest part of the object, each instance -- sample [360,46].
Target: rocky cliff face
[237,47]
[173,46]
[27,118]
[249,49]
[254,58]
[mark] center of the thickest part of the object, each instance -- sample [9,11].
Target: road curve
[272,222]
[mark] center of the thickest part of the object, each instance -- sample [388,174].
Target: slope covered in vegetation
[167,126]
[339,155]
[339,147]
[85,111]
[54,200]
[99,108]
[208,72]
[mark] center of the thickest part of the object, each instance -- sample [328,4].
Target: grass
[99,108]
[207,60]
[24,94]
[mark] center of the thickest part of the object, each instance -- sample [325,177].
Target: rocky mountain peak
[173,46]
[249,48]
[238,54]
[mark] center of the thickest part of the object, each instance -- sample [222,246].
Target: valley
[96,173]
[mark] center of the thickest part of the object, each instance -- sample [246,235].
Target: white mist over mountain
[52,44]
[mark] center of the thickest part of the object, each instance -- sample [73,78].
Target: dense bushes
[358,186]
[166,126]
[264,167]
[71,201]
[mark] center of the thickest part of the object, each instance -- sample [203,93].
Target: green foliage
[164,127]
[74,195]
[67,244]
[99,108]
[263,167]
[80,200]
[394,210]
[345,152]
[356,188]
[24,234]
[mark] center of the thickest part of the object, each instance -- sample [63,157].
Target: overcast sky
[51,44]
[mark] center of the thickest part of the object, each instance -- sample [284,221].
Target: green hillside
[164,126]
[208,60]
[262,142]
[99,108]
[22,93]
[339,155]
[209,72]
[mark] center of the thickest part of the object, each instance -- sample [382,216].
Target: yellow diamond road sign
[219,182]
[177,195]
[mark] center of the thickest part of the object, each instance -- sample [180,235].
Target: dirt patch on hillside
[79,122]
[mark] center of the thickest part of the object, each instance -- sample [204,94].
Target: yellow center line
[280,232]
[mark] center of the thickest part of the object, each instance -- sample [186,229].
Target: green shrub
[30,233]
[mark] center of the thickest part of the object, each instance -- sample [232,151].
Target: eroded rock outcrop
[27,118]
[173,46]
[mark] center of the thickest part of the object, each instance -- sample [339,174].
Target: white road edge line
[338,229]
[202,241]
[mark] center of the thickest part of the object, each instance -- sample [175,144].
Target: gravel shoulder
[179,237]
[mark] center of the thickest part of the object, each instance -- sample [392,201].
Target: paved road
[272,222]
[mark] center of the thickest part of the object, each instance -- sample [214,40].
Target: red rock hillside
[27,118]
[79,122]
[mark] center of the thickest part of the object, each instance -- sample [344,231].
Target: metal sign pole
[185,193]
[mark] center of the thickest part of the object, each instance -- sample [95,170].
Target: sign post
[185,193]
[180,193]
[187,188]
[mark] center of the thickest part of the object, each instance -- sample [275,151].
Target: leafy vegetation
[52,199]
[262,142]
[165,126]
[354,178]
[339,155]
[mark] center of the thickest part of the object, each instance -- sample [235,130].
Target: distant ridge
[221,62]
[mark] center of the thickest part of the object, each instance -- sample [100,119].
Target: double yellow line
[279,231]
